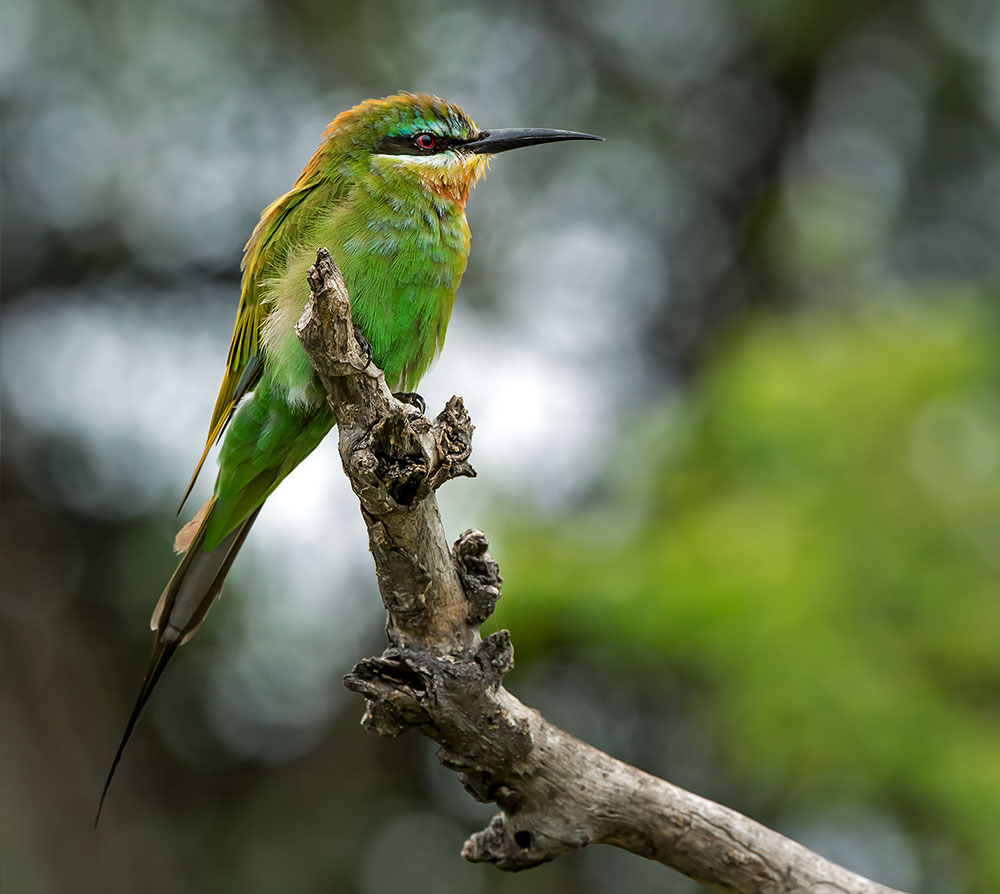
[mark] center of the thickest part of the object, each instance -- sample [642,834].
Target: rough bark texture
[555,792]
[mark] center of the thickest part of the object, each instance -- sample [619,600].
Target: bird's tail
[183,605]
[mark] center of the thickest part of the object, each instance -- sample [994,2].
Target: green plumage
[267,438]
[385,192]
[402,249]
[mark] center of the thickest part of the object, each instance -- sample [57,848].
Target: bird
[385,192]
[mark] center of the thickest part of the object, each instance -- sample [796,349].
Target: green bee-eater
[385,191]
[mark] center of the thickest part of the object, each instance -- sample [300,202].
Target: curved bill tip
[492,141]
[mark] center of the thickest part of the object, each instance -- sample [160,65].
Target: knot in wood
[452,431]
[400,464]
[479,574]
[394,693]
[496,656]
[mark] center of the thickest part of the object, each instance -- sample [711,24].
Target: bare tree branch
[555,792]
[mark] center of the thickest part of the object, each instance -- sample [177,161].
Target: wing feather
[244,363]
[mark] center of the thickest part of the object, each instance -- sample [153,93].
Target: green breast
[402,270]
[402,260]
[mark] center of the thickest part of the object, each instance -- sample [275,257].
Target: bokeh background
[736,381]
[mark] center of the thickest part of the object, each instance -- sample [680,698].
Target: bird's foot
[365,345]
[411,398]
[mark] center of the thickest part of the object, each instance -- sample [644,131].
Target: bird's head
[422,140]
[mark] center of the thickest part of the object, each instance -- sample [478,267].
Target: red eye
[425,140]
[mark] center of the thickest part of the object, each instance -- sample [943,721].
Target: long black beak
[489,142]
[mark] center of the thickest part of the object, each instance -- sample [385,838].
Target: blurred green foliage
[819,555]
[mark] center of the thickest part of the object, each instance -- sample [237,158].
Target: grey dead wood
[555,792]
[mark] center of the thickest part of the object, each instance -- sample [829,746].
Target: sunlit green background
[736,381]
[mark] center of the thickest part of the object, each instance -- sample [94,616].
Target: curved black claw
[413,399]
[366,346]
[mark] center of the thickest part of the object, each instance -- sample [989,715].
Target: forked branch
[555,792]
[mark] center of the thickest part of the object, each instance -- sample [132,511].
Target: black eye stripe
[406,145]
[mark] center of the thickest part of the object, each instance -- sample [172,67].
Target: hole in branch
[522,838]
[401,465]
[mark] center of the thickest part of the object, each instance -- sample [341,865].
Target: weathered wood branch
[555,792]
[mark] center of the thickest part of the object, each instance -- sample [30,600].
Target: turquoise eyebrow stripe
[405,128]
